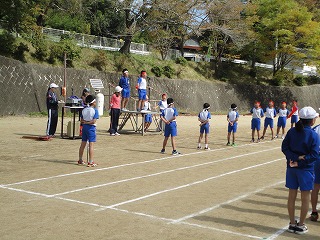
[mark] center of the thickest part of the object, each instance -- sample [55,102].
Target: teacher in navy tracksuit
[52,106]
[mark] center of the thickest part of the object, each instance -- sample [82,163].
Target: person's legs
[112,119]
[258,133]
[116,119]
[271,133]
[252,134]
[173,143]
[283,131]
[291,204]
[264,133]
[228,137]
[165,141]
[200,139]
[233,137]
[125,102]
[206,139]
[54,122]
[314,197]
[139,105]
[90,152]
[305,199]
[81,150]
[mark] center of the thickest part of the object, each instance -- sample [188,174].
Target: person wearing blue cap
[301,148]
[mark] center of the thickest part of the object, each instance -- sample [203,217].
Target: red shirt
[115,101]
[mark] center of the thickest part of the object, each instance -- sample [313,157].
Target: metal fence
[96,42]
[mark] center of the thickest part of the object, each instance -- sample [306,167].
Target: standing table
[75,110]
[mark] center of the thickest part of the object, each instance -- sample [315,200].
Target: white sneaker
[117,134]
[112,134]
[144,111]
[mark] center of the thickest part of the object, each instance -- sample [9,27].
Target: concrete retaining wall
[23,88]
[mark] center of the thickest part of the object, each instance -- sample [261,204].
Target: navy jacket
[52,101]
[301,143]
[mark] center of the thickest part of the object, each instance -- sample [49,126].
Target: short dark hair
[143,71]
[233,105]
[89,99]
[124,70]
[206,105]
[169,101]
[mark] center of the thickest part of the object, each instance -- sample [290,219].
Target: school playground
[137,193]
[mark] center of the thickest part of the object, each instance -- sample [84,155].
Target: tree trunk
[125,49]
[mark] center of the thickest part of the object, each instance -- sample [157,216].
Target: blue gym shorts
[233,128]
[125,93]
[148,118]
[255,124]
[171,129]
[205,128]
[282,122]
[89,133]
[268,122]
[142,94]
[294,119]
[299,178]
[317,172]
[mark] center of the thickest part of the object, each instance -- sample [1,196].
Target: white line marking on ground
[188,185]
[163,172]
[25,191]
[128,164]
[221,230]
[224,203]
[278,233]
[34,156]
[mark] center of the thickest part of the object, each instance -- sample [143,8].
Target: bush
[313,79]
[300,81]
[282,77]
[7,41]
[41,46]
[182,61]
[168,71]
[20,50]
[100,61]
[157,71]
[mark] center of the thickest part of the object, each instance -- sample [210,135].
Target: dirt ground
[137,193]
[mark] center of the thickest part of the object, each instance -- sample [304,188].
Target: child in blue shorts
[169,116]
[283,113]
[142,89]
[124,83]
[204,118]
[315,192]
[294,113]
[257,114]
[271,113]
[301,148]
[89,117]
[232,119]
[147,117]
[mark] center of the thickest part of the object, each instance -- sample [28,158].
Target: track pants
[115,114]
[52,121]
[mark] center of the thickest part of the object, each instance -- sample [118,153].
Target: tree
[287,31]
[223,28]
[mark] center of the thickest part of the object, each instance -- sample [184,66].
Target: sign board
[96,83]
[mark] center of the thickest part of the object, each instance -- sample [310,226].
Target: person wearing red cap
[257,113]
[271,113]
[294,113]
[283,113]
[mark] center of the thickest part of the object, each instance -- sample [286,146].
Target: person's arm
[250,113]
[175,114]
[120,82]
[112,101]
[312,156]
[275,113]
[285,148]
[262,114]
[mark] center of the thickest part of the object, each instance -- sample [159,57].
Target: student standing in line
[162,104]
[232,118]
[52,107]
[283,113]
[204,119]
[257,114]
[301,148]
[271,113]
[294,113]
[124,83]
[115,105]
